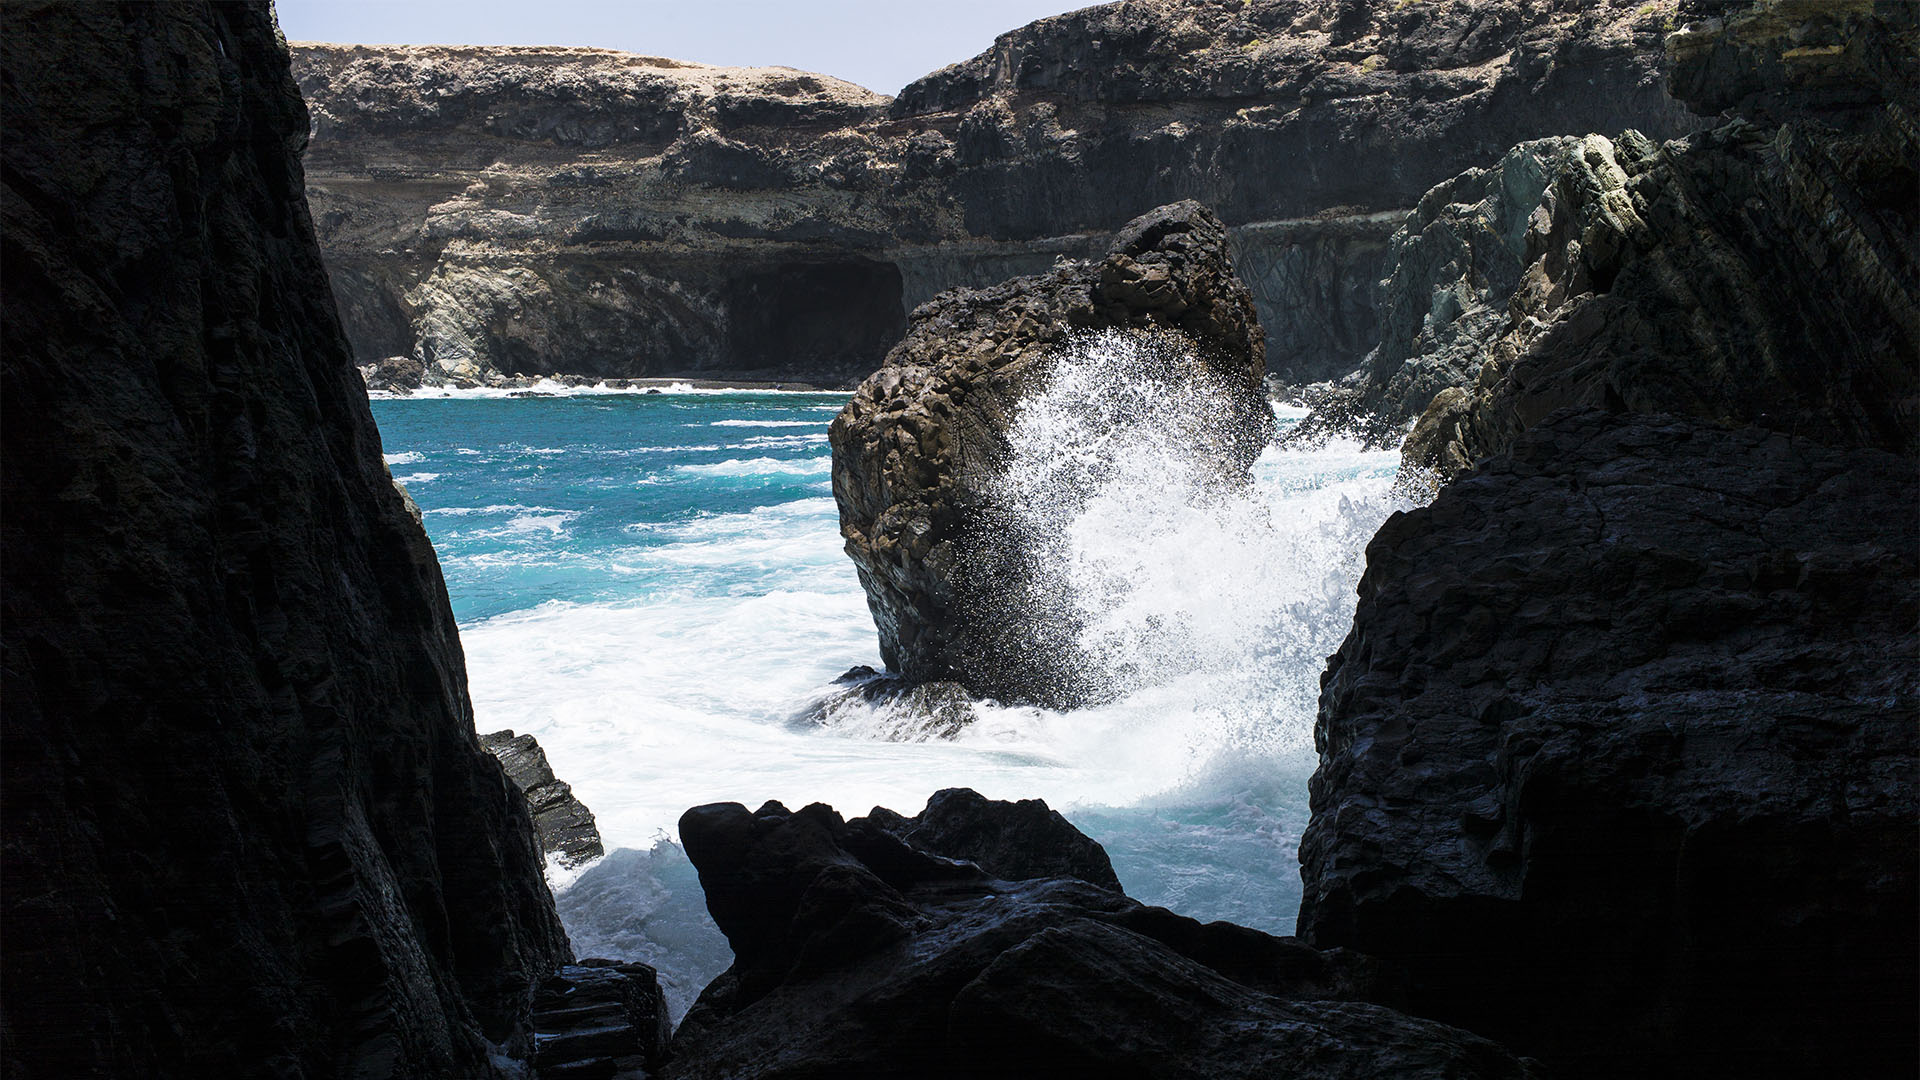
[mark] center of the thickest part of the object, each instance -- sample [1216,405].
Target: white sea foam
[761,466]
[418,478]
[405,457]
[551,388]
[688,691]
[763,423]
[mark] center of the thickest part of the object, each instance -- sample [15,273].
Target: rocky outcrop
[566,827]
[1619,757]
[921,452]
[1012,840]
[600,1020]
[859,954]
[492,211]
[248,828]
[1751,274]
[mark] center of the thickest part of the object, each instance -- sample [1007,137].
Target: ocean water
[653,586]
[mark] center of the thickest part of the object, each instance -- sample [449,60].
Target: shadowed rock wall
[248,830]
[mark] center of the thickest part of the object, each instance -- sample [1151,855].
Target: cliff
[1619,757]
[248,829]
[491,211]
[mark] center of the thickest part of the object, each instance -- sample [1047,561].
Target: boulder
[1013,840]
[921,452]
[859,954]
[566,826]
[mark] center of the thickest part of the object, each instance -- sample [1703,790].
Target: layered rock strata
[921,451]
[860,954]
[1619,758]
[492,211]
[566,827]
[248,828]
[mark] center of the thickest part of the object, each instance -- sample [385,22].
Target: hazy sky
[880,44]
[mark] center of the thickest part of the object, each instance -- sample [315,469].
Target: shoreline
[576,386]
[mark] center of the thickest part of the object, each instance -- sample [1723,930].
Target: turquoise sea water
[653,586]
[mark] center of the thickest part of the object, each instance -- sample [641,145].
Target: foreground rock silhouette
[1618,761]
[248,830]
[858,953]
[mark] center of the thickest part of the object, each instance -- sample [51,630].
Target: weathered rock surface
[491,211]
[565,825]
[921,450]
[1766,275]
[1012,840]
[858,954]
[600,1020]
[248,828]
[1619,759]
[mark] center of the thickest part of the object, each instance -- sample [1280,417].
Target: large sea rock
[248,829]
[496,211]
[921,453]
[1619,759]
[858,953]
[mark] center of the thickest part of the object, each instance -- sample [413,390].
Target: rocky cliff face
[1759,273]
[248,828]
[493,211]
[1618,759]
[952,565]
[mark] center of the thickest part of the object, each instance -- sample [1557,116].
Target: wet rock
[919,452]
[893,707]
[1618,760]
[248,829]
[566,827]
[859,954]
[600,1020]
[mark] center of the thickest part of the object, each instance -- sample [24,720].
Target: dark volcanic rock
[1745,275]
[600,1020]
[1619,758]
[248,830]
[1012,840]
[565,825]
[858,954]
[920,452]
[501,210]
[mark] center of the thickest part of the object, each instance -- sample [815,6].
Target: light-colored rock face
[692,218]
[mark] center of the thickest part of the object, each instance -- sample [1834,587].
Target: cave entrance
[833,320]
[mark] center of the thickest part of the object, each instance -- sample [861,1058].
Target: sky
[880,44]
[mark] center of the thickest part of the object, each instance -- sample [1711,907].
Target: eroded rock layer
[487,211]
[248,830]
[922,451]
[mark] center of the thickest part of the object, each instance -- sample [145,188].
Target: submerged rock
[248,830]
[921,453]
[860,954]
[567,829]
